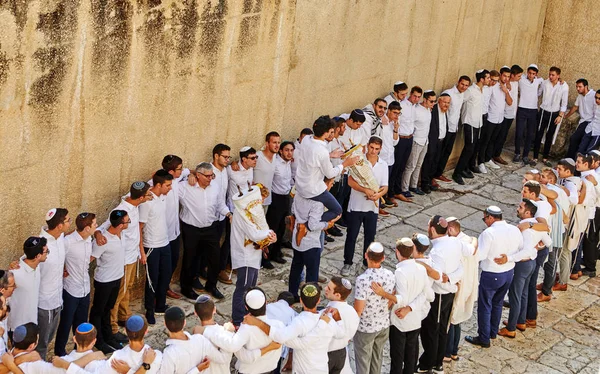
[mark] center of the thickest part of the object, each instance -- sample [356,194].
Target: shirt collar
[78,237]
[45,234]
[528,220]
[178,341]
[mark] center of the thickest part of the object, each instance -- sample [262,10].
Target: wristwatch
[146,366]
[531,225]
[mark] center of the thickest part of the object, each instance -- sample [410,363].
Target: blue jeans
[334,208]
[492,289]
[246,278]
[311,259]
[73,314]
[159,268]
[453,340]
[517,294]
[532,293]
[354,220]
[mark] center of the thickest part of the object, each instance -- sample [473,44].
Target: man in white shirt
[280,198]
[58,223]
[110,265]
[138,194]
[510,112]
[456,94]
[357,129]
[585,105]
[155,239]
[523,271]
[555,96]
[265,168]
[471,118]
[373,114]
[437,132]
[398,93]
[243,175]
[282,311]
[391,137]
[303,133]
[499,98]
[589,246]
[201,209]
[422,116]
[76,293]
[592,136]
[500,238]
[404,146]
[527,112]
[363,206]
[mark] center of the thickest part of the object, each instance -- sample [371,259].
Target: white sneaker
[345,270]
[491,164]
[482,169]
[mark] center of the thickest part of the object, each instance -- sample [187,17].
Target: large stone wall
[93,93]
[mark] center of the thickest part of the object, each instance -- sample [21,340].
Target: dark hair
[595,157]
[247,153]
[533,186]
[204,310]
[322,125]
[404,250]
[256,312]
[394,105]
[428,94]
[310,301]
[516,69]
[219,148]
[30,337]
[171,162]
[174,319]
[416,89]
[497,216]
[400,87]
[285,144]
[287,296]
[494,73]
[582,81]
[84,339]
[84,220]
[504,69]
[464,78]
[375,140]
[481,75]
[421,248]
[117,217]
[439,224]
[530,207]
[31,250]
[586,159]
[161,176]
[555,69]
[306,131]
[271,135]
[375,256]
[378,100]
[532,68]
[57,219]
[567,166]
[138,190]
[340,288]
[357,115]
[137,336]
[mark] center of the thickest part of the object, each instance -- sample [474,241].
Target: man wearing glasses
[200,212]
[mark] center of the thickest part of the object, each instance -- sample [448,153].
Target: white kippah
[534,171]
[407,242]
[570,161]
[555,173]
[492,209]
[535,183]
[505,66]
[533,66]
[428,91]
[451,219]
[346,283]
[255,299]
[376,247]
[50,214]
[423,239]
[397,83]
[596,152]
[245,148]
[479,71]
[345,116]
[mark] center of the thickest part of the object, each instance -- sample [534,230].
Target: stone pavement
[568,333]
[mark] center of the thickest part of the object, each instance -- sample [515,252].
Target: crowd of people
[310,190]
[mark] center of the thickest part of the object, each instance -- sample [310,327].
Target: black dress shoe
[334,231]
[197,284]
[474,170]
[467,174]
[475,341]
[216,293]
[426,189]
[506,304]
[458,179]
[417,190]
[266,264]
[190,295]
[329,239]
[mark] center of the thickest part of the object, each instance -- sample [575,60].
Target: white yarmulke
[534,171]
[397,83]
[376,247]
[50,214]
[555,173]
[423,239]
[533,66]
[428,91]
[451,219]
[569,161]
[255,299]
[346,283]
[492,209]
[245,148]
[407,242]
[479,71]
[596,152]
[505,67]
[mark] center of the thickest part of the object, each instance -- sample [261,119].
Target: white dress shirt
[24,300]
[43,367]
[282,177]
[388,143]
[375,315]
[77,264]
[216,368]
[529,92]
[412,289]
[510,111]
[313,166]
[589,202]
[554,98]
[153,214]
[51,272]
[309,212]
[242,254]
[586,106]
[221,180]
[182,356]
[239,178]
[350,324]
[594,126]
[572,184]
[407,119]
[201,207]
[455,106]
[390,97]
[110,259]
[422,123]
[498,239]
[131,235]
[442,123]
[133,359]
[446,254]
[543,209]
[472,106]
[172,209]
[263,173]
[531,238]
[310,350]
[281,311]
[358,201]
[300,326]
[353,137]
[485,99]
[497,105]
[96,366]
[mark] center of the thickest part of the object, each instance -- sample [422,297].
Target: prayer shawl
[466,296]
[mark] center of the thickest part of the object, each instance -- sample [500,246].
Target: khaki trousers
[121,311]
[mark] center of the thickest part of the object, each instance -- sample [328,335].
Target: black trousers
[198,241]
[545,121]
[337,359]
[525,133]
[575,140]
[489,131]
[401,154]
[404,350]
[445,152]
[278,210]
[590,243]
[224,226]
[105,297]
[432,157]
[434,331]
[467,159]
[159,271]
[499,143]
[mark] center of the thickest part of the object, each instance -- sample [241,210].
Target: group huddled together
[234,217]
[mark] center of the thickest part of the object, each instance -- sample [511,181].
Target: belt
[405,137]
